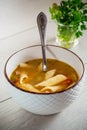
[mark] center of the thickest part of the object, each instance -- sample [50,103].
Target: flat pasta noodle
[57,88]
[24,65]
[22,77]
[29,87]
[52,81]
[50,73]
[49,89]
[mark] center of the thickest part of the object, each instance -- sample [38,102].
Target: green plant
[72,13]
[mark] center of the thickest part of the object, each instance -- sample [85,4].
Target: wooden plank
[17,16]
[11,114]
[12,117]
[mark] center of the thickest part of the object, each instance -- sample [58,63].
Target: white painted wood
[73,118]
[19,15]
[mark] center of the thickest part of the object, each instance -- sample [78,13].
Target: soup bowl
[46,103]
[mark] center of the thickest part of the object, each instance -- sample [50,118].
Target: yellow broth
[28,75]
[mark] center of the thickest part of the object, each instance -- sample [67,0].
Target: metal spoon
[42,22]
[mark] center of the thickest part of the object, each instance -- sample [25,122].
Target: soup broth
[30,76]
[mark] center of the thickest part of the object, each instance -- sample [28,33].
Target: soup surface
[58,77]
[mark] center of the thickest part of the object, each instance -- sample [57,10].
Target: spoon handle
[42,23]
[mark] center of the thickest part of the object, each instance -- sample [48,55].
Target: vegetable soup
[59,76]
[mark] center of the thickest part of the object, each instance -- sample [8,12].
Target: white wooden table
[18,29]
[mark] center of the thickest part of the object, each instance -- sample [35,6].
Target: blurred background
[20,15]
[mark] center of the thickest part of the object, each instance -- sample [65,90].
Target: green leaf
[76,1]
[77,16]
[84,18]
[78,34]
[83,27]
[85,11]
[71,12]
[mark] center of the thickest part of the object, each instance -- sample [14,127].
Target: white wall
[20,15]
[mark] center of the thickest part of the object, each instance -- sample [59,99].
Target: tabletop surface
[18,29]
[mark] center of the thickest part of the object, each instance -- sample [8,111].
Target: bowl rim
[6,76]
